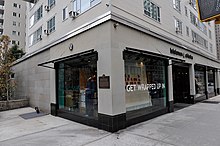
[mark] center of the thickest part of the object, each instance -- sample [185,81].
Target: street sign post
[208,9]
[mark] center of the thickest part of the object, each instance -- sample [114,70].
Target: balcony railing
[1,16]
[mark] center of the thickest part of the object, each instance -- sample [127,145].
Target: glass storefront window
[199,81]
[77,86]
[145,83]
[211,81]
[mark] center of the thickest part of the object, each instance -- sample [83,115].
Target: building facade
[217,32]
[13,21]
[111,64]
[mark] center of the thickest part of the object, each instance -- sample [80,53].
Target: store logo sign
[178,53]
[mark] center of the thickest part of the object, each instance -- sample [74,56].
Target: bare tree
[6,60]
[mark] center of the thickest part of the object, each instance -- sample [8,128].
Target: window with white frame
[13,42]
[199,40]
[211,48]
[14,14]
[193,4]
[210,34]
[36,16]
[200,25]
[152,10]
[178,26]
[15,5]
[65,13]
[186,11]
[14,32]
[51,25]
[176,5]
[187,30]
[35,37]
[80,6]
[51,3]
[14,23]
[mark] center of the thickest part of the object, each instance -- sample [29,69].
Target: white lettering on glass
[144,87]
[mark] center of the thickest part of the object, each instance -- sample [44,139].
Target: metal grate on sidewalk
[31,115]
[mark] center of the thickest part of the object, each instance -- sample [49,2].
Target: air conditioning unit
[178,30]
[73,14]
[190,2]
[47,8]
[46,32]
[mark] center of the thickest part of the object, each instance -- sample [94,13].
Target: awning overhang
[53,61]
[154,55]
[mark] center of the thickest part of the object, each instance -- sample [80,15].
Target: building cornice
[146,30]
[127,22]
[95,22]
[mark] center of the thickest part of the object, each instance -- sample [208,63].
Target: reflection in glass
[211,81]
[145,85]
[200,84]
[80,6]
[77,86]
[199,81]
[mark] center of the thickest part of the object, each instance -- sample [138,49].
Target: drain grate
[31,115]
[211,102]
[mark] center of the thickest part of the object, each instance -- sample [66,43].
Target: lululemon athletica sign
[182,54]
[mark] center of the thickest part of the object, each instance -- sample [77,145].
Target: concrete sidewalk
[196,125]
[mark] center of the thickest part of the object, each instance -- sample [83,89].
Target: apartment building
[13,21]
[111,63]
[217,31]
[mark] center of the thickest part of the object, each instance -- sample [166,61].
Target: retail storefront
[181,83]
[200,83]
[211,89]
[145,84]
[77,86]
[116,79]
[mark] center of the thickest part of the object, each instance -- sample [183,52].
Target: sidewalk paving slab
[196,125]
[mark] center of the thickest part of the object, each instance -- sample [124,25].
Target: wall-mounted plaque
[104,82]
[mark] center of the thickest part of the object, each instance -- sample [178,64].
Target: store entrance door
[181,85]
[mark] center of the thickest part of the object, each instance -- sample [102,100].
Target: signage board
[104,82]
[208,9]
[182,54]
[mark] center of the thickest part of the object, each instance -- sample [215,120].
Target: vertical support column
[206,83]
[217,79]
[170,86]
[111,102]
[192,83]
[53,104]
